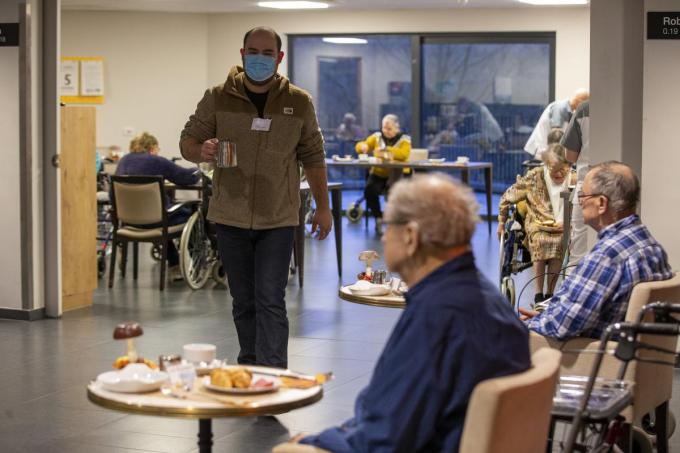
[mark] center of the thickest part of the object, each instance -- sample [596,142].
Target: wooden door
[78,206]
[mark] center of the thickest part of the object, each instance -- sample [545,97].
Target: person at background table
[556,115]
[349,130]
[539,190]
[388,144]
[255,205]
[143,160]
[476,125]
[456,330]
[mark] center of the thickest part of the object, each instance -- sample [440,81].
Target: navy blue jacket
[456,331]
[146,164]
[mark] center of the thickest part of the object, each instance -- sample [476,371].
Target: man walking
[255,203]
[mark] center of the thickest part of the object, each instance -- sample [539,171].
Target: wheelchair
[513,256]
[104,224]
[198,252]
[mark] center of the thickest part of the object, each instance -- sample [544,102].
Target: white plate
[249,391]
[366,288]
[437,161]
[134,378]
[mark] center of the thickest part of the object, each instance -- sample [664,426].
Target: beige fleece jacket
[262,192]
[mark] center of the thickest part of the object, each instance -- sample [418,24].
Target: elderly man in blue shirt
[596,294]
[455,331]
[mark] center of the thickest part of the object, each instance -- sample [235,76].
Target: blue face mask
[259,67]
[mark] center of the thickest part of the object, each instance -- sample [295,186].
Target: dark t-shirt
[259,100]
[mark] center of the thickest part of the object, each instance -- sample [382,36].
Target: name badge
[261,124]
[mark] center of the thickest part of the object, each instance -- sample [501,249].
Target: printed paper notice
[91,78]
[68,82]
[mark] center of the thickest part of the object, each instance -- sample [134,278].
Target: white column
[661,137]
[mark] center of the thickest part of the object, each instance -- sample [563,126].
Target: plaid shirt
[596,294]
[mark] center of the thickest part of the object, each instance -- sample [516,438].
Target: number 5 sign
[69,78]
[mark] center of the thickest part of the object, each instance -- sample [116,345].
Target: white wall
[660,144]
[157,65]
[154,68]
[571,24]
[10,237]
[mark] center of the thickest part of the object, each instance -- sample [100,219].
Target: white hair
[444,209]
[391,118]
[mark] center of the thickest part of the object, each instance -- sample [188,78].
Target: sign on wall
[663,25]
[9,35]
[81,80]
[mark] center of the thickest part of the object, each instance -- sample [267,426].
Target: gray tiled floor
[46,364]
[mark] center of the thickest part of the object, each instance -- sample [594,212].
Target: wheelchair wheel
[155,252]
[101,263]
[501,260]
[641,441]
[354,212]
[648,424]
[195,252]
[508,290]
[218,273]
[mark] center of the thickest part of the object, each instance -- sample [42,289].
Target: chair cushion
[147,233]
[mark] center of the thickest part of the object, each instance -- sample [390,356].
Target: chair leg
[135,259]
[112,265]
[164,258]
[661,425]
[124,258]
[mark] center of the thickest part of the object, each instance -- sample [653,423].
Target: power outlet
[128,131]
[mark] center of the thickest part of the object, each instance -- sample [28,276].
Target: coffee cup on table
[199,352]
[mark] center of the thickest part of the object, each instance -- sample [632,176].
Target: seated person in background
[555,136]
[447,136]
[455,331]
[349,130]
[476,124]
[596,293]
[143,160]
[389,144]
[540,189]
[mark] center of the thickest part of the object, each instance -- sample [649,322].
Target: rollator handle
[649,328]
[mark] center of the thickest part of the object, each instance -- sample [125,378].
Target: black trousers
[256,263]
[375,185]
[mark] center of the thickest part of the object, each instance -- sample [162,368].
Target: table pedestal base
[205,435]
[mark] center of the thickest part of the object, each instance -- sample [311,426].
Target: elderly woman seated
[540,188]
[455,331]
[390,144]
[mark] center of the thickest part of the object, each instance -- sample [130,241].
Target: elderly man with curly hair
[455,331]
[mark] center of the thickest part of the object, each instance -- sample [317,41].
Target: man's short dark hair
[267,29]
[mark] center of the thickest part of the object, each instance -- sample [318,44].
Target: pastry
[238,377]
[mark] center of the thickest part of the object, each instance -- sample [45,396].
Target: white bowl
[134,378]
[199,352]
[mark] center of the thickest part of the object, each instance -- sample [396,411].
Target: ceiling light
[344,40]
[555,2]
[293,5]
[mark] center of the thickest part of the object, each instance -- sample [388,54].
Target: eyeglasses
[583,196]
[387,223]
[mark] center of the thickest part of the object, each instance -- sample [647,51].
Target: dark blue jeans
[256,263]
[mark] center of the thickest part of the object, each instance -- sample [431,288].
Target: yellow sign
[81,80]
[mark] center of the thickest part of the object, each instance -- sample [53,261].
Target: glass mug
[226,154]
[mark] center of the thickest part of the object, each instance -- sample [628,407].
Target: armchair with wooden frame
[139,215]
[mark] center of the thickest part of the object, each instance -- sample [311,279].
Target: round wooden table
[205,405]
[390,301]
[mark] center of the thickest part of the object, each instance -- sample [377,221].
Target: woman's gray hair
[392,118]
[555,155]
[618,182]
[444,209]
